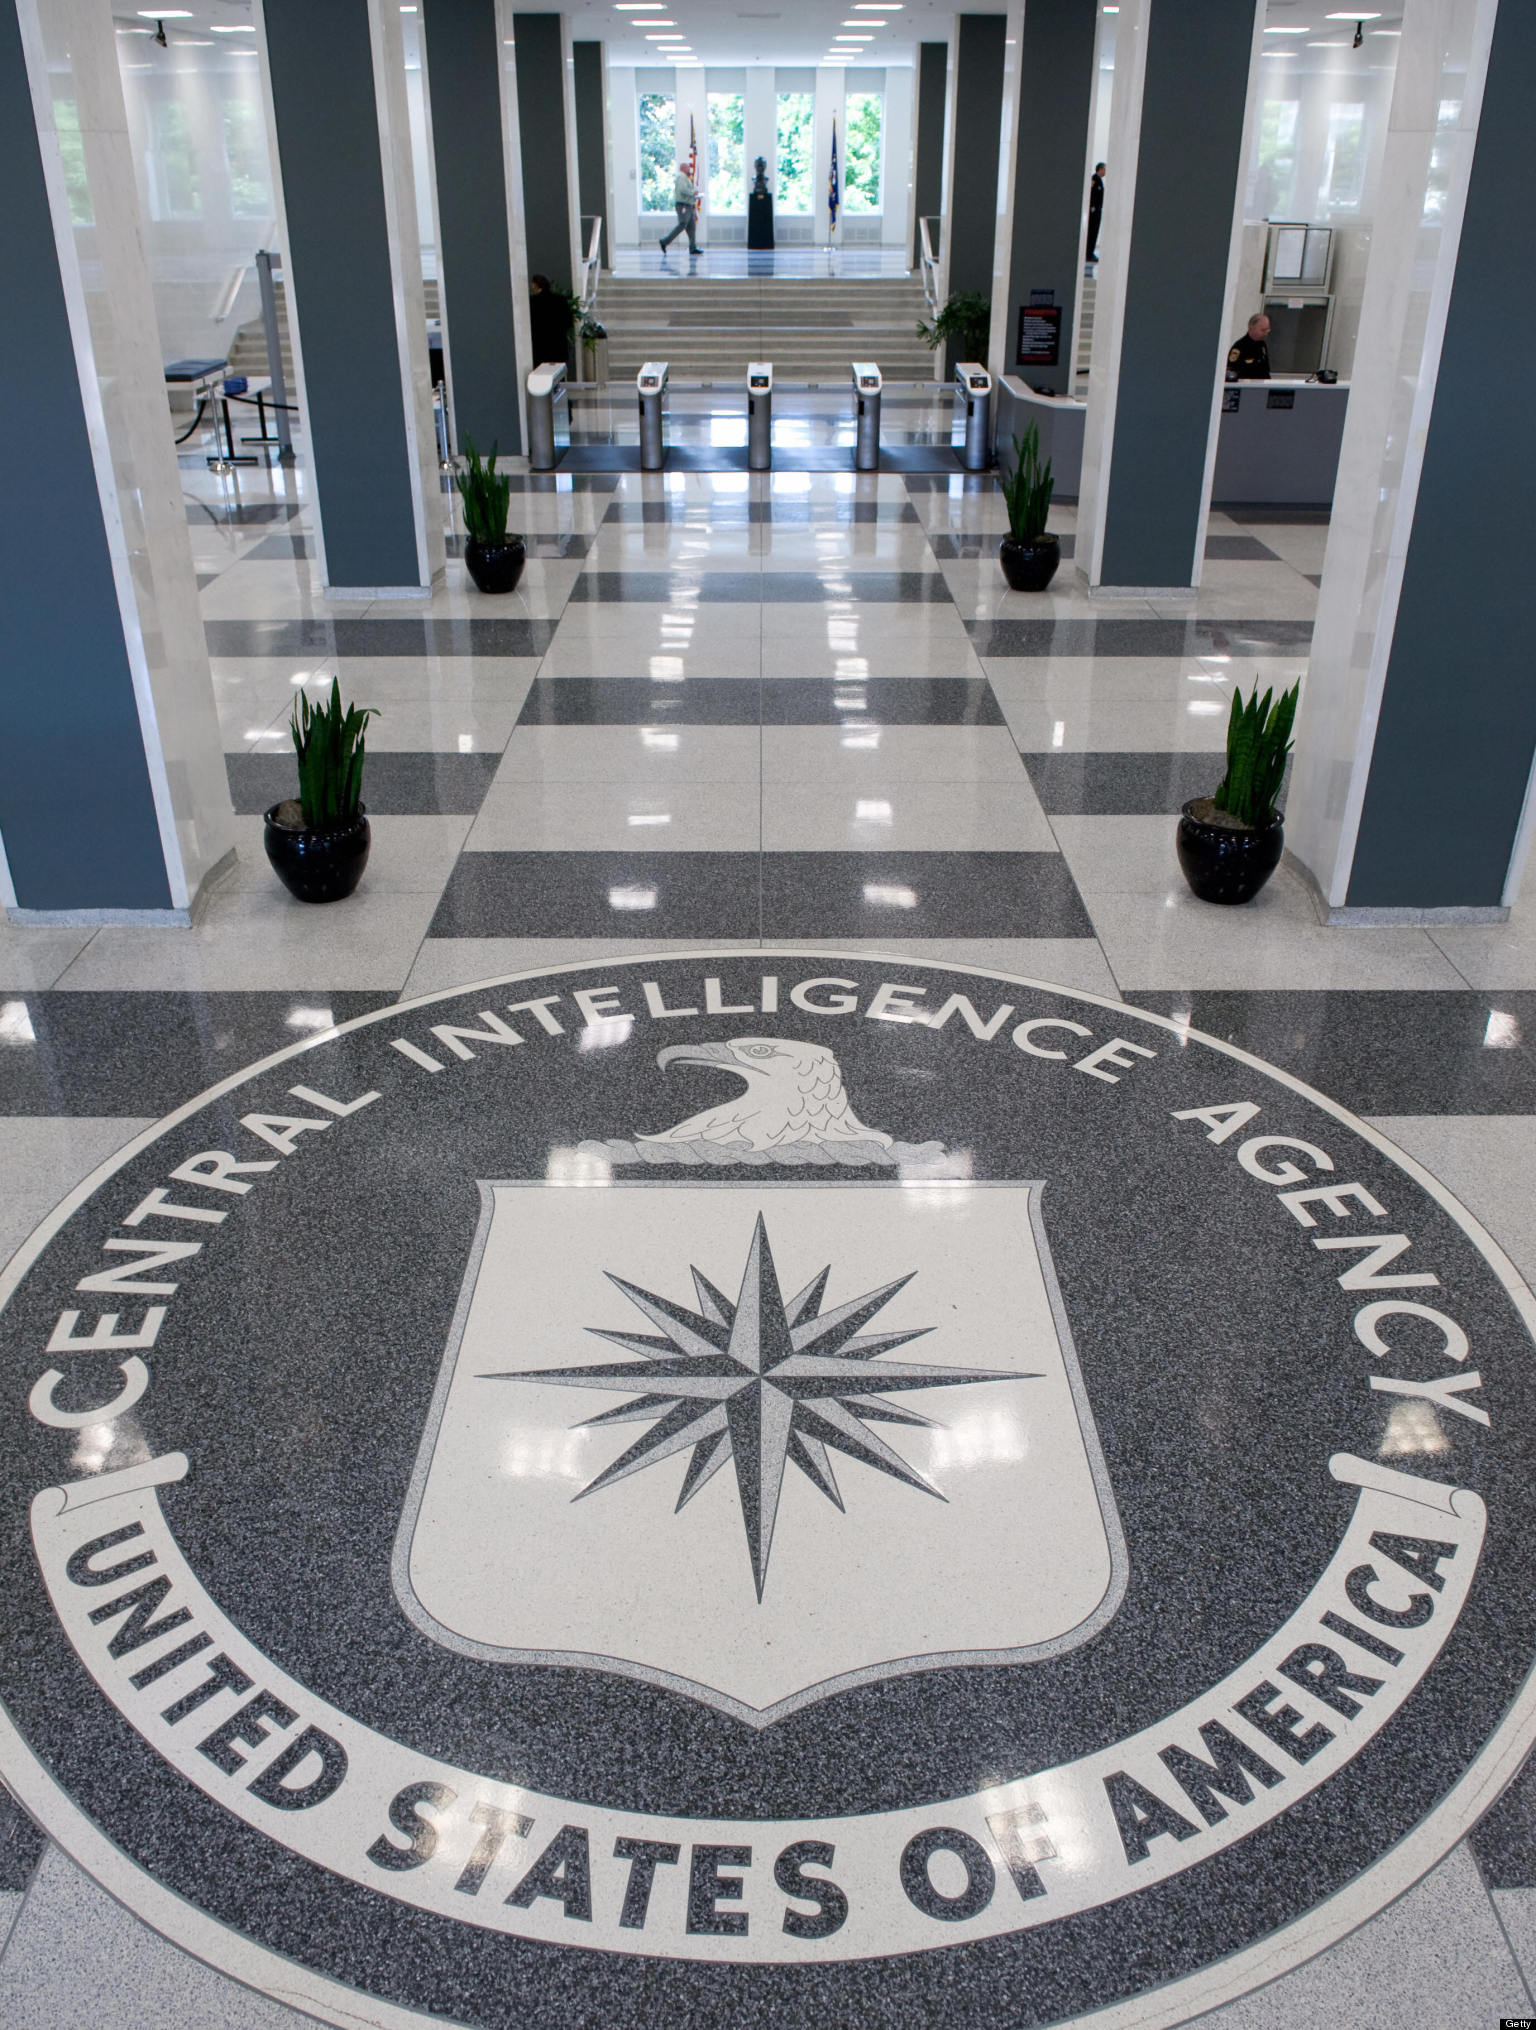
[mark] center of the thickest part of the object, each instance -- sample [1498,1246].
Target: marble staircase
[810,329]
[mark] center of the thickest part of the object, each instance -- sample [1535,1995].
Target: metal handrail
[591,265]
[930,263]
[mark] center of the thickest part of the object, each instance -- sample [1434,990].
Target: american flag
[693,166]
[832,191]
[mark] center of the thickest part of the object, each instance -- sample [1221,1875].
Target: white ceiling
[802,32]
[771,31]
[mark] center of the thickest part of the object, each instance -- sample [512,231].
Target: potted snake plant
[493,559]
[1230,843]
[1028,555]
[318,841]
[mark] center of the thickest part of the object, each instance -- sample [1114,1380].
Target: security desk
[1279,442]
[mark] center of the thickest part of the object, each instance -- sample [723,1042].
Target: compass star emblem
[761,1382]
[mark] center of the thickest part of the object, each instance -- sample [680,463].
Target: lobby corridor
[773,761]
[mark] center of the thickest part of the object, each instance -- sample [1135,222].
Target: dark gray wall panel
[1198,53]
[591,136]
[972,221]
[1056,92]
[464,77]
[338,253]
[76,811]
[1457,729]
[541,119]
[928,152]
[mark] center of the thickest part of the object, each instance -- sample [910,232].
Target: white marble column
[113,795]
[1383,737]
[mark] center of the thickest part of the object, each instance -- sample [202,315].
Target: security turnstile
[973,414]
[547,396]
[759,415]
[651,387]
[866,437]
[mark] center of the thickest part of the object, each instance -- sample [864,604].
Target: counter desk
[1278,444]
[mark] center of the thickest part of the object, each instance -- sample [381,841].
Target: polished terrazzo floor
[735,711]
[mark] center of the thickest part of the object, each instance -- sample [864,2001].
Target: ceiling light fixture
[231,28]
[185,14]
[1352,16]
[1287,31]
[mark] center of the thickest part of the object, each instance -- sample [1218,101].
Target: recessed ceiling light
[185,14]
[230,28]
[1287,31]
[1351,16]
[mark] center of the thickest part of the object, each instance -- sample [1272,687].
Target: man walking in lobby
[685,199]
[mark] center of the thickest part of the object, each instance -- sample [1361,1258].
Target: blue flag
[832,192]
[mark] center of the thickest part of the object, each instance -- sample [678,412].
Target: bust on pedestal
[760,210]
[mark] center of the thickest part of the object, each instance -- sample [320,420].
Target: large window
[658,150]
[66,122]
[865,117]
[727,152]
[1273,195]
[173,185]
[796,141]
[245,151]
[1344,169]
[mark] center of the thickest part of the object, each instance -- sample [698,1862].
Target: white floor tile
[1495,955]
[32,956]
[1156,933]
[616,817]
[653,757]
[1489,1162]
[853,757]
[1436,1956]
[901,816]
[451,962]
[259,937]
[76,1960]
[42,1158]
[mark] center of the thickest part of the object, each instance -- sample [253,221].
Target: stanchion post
[866,394]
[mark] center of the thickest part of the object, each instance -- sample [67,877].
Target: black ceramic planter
[1227,863]
[316,866]
[495,567]
[1030,567]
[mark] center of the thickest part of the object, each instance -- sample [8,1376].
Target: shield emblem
[766,1440]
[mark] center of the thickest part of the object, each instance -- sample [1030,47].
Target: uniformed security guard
[1249,358]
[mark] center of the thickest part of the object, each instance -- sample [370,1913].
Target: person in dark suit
[1249,358]
[1095,210]
[549,319]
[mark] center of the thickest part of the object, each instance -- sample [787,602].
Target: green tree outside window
[796,144]
[66,124]
[727,152]
[245,151]
[174,189]
[865,118]
[658,150]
